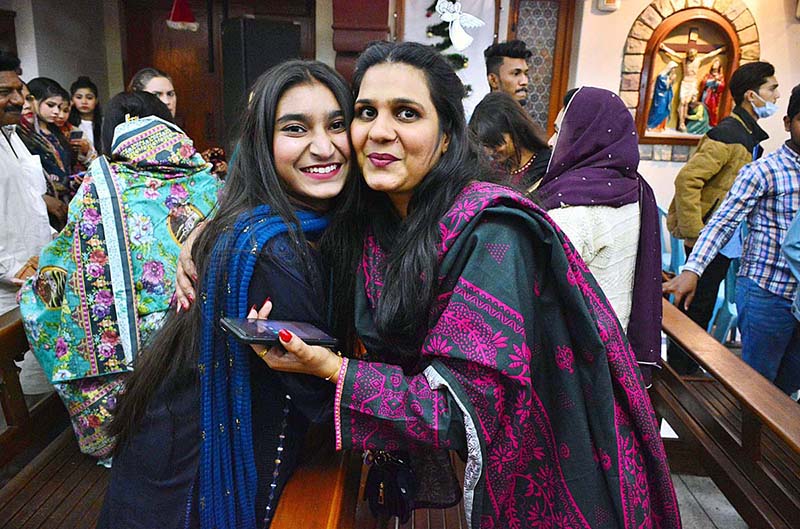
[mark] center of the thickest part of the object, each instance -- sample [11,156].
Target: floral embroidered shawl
[525,355]
[105,281]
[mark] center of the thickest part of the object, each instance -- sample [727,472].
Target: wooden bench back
[22,425]
[765,403]
[739,428]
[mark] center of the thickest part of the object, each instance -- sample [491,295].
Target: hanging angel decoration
[451,13]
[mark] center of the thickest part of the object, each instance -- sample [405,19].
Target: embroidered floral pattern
[519,380]
[106,280]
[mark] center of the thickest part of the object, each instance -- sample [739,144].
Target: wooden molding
[666,27]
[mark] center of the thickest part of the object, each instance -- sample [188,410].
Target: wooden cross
[691,42]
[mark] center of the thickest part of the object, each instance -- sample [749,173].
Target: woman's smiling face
[310,144]
[396,130]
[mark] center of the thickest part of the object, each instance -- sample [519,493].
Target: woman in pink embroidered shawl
[483,330]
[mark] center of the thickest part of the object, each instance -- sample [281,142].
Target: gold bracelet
[338,368]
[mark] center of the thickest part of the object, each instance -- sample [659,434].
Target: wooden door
[194,59]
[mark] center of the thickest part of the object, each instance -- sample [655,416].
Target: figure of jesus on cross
[690,64]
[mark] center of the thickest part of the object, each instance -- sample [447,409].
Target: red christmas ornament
[181,17]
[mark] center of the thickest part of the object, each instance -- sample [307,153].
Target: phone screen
[266,331]
[76,134]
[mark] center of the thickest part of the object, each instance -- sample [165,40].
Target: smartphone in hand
[265,332]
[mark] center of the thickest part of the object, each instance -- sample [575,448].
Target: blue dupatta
[227,473]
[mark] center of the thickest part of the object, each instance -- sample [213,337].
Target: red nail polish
[265,303]
[253,307]
[284,335]
[191,297]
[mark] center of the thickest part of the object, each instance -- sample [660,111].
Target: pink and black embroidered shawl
[527,368]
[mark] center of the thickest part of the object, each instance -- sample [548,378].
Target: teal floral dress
[106,281]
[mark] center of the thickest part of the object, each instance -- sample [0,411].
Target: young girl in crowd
[593,191]
[43,137]
[208,434]
[104,284]
[86,113]
[514,141]
[484,331]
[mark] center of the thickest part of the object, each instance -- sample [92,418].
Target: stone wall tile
[747,35]
[651,17]
[680,153]
[630,81]
[635,45]
[632,63]
[679,4]
[751,52]
[630,98]
[664,7]
[745,20]
[645,152]
[662,152]
[736,9]
[641,31]
[722,5]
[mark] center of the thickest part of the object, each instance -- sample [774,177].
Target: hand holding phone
[265,332]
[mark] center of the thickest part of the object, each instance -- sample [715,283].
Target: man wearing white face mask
[701,185]
[767,194]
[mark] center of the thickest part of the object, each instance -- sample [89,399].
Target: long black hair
[43,88]
[410,281]
[171,355]
[97,114]
[498,113]
[129,104]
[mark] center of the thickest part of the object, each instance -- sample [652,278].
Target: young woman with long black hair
[483,328]
[86,112]
[208,434]
[43,137]
[514,141]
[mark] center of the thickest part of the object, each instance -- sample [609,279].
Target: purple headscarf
[594,163]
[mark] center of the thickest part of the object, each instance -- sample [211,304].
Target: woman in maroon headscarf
[593,191]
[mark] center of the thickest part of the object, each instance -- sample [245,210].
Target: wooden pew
[60,487]
[23,426]
[735,425]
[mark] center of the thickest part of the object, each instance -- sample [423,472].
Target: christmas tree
[441,30]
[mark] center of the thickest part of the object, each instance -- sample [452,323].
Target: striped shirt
[767,194]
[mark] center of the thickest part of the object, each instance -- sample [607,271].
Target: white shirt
[24,226]
[608,240]
[88,130]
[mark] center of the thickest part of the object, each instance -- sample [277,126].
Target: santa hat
[181,16]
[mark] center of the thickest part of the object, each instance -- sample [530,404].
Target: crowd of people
[493,292]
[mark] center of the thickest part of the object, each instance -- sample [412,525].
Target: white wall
[597,60]
[324,38]
[26,41]
[70,41]
[112,36]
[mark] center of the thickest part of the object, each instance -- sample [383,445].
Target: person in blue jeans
[791,252]
[766,193]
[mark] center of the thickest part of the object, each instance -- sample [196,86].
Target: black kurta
[153,474]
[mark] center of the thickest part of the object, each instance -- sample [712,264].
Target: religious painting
[686,91]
